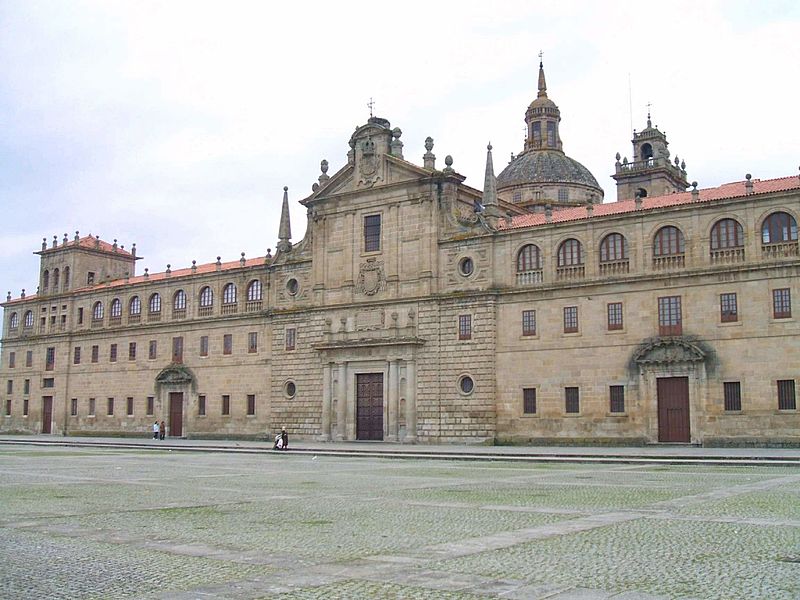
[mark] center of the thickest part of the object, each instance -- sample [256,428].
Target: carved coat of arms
[368,165]
[371,278]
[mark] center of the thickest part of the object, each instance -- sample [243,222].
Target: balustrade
[615,267]
[529,277]
[205,311]
[230,309]
[783,250]
[666,263]
[253,306]
[727,255]
[569,273]
[179,313]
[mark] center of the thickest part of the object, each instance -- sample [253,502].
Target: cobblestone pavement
[127,523]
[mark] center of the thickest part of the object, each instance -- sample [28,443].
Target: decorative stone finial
[618,157]
[285,228]
[77,235]
[218,264]
[748,185]
[133,250]
[683,165]
[548,213]
[8,296]
[55,241]
[22,295]
[194,267]
[489,180]
[590,208]
[637,200]
[97,241]
[114,245]
[44,243]
[448,161]
[397,145]
[65,240]
[695,192]
[146,273]
[324,177]
[351,154]
[542,83]
[269,253]
[242,261]
[168,272]
[429,158]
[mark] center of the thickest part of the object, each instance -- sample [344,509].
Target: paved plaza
[112,523]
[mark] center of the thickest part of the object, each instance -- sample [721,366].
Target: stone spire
[285,229]
[542,84]
[489,181]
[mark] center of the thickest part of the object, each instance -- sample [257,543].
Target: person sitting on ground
[278,442]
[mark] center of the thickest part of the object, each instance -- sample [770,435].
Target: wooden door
[176,414]
[673,409]
[369,406]
[47,414]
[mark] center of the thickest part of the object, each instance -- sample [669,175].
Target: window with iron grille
[132,351]
[48,382]
[29,358]
[203,345]
[112,353]
[50,359]
[110,407]
[73,407]
[728,309]
[201,405]
[786,398]
[226,404]
[372,233]
[781,303]
[25,404]
[10,387]
[571,400]
[563,194]
[12,360]
[670,321]
[570,319]
[177,350]
[76,355]
[26,387]
[95,353]
[152,350]
[733,395]
[529,401]
[528,322]
[291,338]
[8,407]
[129,406]
[616,394]
[252,342]
[251,404]
[465,327]
[227,343]
[614,315]
[150,405]
[91,407]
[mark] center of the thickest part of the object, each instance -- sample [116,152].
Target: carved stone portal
[668,350]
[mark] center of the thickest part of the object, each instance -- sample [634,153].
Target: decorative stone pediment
[175,375]
[668,350]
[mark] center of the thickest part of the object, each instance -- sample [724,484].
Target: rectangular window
[8,407]
[227,343]
[551,134]
[251,404]
[616,394]
[733,395]
[91,407]
[10,387]
[529,401]
[203,345]
[95,353]
[129,406]
[781,303]
[537,134]
[465,327]
[728,309]
[570,319]
[614,316]
[372,233]
[110,407]
[226,404]
[177,350]
[76,355]
[150,403]
[670,321]
[132,351]
[112,353]
[26,387]
[571,400]
[73,407]
[48,382]
[89,278]
[80,316]
[25,405]
[291,338]
[201,405]
[786,399]
[12,360]
[50,359]
[528,322]
[153,350]
[252,342]
[29,358]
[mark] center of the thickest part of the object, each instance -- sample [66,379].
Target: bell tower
[650,173]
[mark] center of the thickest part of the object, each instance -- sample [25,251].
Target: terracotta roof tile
[91,243]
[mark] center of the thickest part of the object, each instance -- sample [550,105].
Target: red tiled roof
[91,243]
[728,190]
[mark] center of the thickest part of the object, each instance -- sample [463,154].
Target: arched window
[229,294]
[254,290]
[613,247]
[668,242]
[135,306]
[529,258]
[206,297]
[45,279]
[97,311]
[28,323]
[727,233]
[56,278]
[13,323]
[66,278]
[116,308]
[778,228]
[569,253]
[155,303]
[179,301]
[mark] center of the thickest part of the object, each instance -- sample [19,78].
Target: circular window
[466,384]
[466,266]
[292,286]
[290,389]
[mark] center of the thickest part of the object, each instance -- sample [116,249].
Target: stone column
[325,434]
[393,402]
[341,398]
[411,403]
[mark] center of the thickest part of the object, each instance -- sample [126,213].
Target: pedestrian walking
[284,439]
[162,430]
[155,430]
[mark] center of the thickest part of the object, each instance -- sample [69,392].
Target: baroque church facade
[418,309]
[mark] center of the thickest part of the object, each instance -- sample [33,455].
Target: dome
[545,166]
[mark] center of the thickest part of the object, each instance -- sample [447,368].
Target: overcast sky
[176,125]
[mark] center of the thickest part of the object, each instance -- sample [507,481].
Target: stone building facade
[419,309]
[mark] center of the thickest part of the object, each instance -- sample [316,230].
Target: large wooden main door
[673,409]
[47,413]
[369,406]
[176,414]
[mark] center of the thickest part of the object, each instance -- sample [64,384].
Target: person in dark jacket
[284,438]
[162,430]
